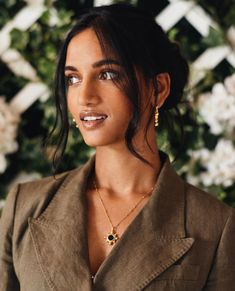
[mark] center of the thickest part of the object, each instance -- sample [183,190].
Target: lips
[92,120]
[92,115]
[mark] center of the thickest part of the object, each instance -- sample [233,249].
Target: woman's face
[93,95]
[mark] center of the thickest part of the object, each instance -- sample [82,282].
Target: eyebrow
[96,64]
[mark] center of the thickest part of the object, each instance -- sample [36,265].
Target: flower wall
[30,35]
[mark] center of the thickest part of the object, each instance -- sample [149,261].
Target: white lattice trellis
[202,22]
[14,60]
[168,18]
[173,13]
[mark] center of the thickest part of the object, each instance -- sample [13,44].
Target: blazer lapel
[59,235]
[153,242]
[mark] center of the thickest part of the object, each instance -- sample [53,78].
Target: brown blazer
[183,239]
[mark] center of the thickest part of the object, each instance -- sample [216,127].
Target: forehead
[84,46]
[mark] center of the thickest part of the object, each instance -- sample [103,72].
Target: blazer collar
[151,243]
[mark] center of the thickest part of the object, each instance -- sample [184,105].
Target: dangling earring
[156,116]
[74,120]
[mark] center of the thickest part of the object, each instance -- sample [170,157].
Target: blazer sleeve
[222,274]
[8,279]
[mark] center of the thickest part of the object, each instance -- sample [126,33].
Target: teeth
[93,117]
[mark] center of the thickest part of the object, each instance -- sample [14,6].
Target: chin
[94,142]
[101,141]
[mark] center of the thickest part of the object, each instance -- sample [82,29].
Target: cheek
[122,113]
[125,108]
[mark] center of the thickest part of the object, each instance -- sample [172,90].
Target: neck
[121,173]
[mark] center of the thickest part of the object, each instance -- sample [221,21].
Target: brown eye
[71,80]
[109,75]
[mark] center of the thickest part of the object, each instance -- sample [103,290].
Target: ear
[163,87]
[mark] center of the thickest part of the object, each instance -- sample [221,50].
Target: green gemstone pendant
[112,237]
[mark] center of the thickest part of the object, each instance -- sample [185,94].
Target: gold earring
[74,120]
[156,116]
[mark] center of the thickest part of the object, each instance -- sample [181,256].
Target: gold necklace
[112,237]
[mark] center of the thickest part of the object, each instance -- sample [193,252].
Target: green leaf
[19,39]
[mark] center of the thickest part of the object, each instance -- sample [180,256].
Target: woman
[124,220]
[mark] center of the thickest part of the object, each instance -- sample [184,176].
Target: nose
[87,93]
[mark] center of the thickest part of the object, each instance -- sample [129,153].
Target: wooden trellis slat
[23,20]
[168,18]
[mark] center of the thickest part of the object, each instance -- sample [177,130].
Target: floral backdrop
[205,153]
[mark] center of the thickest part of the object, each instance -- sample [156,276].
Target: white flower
[218,107]
[219,165]
[9,120]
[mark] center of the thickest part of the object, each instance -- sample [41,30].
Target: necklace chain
[113,236]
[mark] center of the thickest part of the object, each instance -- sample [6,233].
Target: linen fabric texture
[182,239]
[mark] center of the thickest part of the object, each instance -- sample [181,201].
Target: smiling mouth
[93,122]
[93,118]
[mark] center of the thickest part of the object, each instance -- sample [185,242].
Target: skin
[121,178]
[91,90]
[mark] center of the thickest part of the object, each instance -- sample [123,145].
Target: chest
[101,217]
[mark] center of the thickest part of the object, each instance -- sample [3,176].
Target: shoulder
[203,201]
[43,186]
[32,198]
[205,211]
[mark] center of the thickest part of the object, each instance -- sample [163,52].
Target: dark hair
[133,36]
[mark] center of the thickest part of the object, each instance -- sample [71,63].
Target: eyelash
[69,77]
[112,72]
[68,80]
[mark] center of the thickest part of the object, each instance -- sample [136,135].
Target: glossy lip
[91,113]
[92,124]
